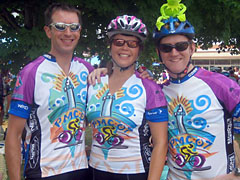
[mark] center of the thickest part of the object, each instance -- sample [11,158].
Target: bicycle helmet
[129,25]
[173,26]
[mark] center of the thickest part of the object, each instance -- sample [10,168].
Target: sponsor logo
[21,106]
[231,162]
[34,152]
[229,131]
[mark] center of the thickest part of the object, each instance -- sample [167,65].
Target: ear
[47,31]
[159,56]
[157,51]
[193,48]
[110,51]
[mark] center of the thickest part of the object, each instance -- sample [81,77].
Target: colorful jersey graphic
[119,124]
[200,111]
[54,106]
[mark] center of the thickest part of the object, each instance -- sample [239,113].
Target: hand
[96,74]
[145,73]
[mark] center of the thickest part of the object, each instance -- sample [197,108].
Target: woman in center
[128,115]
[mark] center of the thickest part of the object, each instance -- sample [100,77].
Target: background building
[211,60]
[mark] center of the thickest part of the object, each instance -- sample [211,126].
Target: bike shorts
[96,174]
[82,174]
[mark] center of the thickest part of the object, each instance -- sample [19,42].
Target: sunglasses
[121,42]
[180,46]
[63,26]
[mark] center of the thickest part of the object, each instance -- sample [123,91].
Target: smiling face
[63,42]
[177,61]
[124,56]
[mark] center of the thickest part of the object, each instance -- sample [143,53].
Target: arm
[13,146]
[96,74]
[237,153]
[145,73]
[160,146]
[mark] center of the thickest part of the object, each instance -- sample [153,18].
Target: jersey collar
[51,57]
[186,77]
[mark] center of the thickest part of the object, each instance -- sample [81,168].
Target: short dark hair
[60,6]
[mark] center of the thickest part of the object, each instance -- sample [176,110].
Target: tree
[22,37]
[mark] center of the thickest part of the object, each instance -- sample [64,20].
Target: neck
[128,72]
[176,76]
[63,60]
[118,78]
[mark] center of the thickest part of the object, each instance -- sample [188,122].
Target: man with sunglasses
[49,100]
[201,107]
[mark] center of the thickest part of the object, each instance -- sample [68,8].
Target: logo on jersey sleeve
[18,82]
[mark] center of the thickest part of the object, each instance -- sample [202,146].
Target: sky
[95,60]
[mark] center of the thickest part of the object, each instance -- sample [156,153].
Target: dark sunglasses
[180,46]
[63,26]
[121,42]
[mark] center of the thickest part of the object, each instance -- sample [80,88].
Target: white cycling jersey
[54,106]
[201,107]
[119,124]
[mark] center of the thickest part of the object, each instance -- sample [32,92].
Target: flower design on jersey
[18,82]
[189,142]
[110,116]
[67,102]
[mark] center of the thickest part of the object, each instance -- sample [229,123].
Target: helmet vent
[121,23]
[134,25]
[176,24]
[186,26]
[167,26]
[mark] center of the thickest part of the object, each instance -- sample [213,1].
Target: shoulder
[85,63]
[151,87]
[214,78]
[225,89]
[32,66]
[147,83]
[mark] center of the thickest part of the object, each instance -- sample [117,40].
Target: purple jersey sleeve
[225,89]
[22,98]
[156,106]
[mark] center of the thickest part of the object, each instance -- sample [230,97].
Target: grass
[237,137]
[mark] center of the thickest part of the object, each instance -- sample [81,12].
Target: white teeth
[67,40]
[123,55]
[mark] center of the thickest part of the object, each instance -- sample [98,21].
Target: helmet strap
[123,68]
[185,71]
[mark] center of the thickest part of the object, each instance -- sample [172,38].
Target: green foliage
[24,38]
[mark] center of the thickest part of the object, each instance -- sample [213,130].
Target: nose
[67,31]
[125,46]
[174,51]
